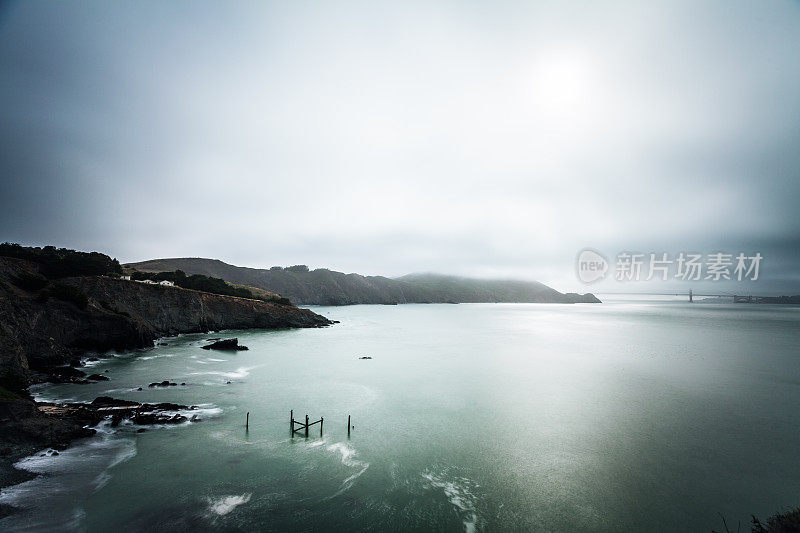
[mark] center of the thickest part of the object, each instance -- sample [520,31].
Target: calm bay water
[641,414]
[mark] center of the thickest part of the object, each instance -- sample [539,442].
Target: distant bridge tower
[690,295]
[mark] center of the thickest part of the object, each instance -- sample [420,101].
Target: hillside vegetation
[214,285]
[327,287]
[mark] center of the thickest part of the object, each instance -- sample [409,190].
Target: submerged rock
[226,344]
[97,377]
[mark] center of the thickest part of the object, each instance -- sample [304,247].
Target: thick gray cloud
[481,139]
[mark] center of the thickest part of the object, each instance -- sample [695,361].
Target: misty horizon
[385,140]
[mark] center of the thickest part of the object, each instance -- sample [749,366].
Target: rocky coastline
[30,427]
[43,338]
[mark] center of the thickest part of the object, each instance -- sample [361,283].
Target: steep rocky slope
[38,334]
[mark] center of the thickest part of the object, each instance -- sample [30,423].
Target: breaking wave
[225,504]
[239,373]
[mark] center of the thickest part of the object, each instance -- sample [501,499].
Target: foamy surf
[48,502]
[239,373]
[225,504]
[458,493]
[348,454]
[41,392]
[157,356]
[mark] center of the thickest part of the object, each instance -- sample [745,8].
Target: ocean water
[634,415]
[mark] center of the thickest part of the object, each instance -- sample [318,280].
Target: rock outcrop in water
[226,344]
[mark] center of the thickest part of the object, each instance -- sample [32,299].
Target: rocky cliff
[171,310]
[39,332]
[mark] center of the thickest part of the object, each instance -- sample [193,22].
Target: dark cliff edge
[47,324]
[328,287]
[39,334]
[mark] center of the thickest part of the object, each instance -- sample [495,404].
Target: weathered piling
[348,425]
[303,426]
[247,421]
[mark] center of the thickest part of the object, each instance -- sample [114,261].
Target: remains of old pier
[302,426]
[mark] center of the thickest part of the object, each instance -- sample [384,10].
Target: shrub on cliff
[779,523]
[29,281]
[63,262]
[196,282]
[68,293]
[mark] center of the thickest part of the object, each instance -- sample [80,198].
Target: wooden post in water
[321,419]
[306,426]
[247,423]
[291,422]
[348,425]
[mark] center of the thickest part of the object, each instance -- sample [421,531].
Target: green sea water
[633,415]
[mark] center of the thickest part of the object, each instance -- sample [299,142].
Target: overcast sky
[494,139]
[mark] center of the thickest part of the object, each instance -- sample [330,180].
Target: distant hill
[327,287]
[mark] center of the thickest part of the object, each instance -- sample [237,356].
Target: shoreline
[49,428]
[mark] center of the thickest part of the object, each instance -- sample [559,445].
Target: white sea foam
[348,455]
[41,393]
[457,490]
[117,391]
[225,504]
[156,356]
[43,396]
[239,373]
[47,502]
[203,409]
[202,412]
